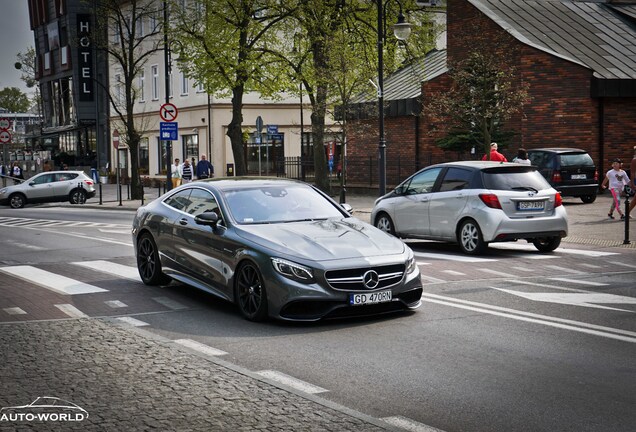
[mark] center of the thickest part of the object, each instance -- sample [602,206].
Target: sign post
[5,139]
[116,145]
[259,129]
[168,113]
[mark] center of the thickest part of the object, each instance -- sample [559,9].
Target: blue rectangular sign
[168,131]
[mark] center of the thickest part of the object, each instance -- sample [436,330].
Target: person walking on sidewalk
[186,171]
[632,172]
[617,179]
[494,154]
[176,174]
[204,169]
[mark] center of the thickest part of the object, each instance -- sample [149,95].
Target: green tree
[129,47]
[27,65]
[221,45]
[485,93]
[13,100]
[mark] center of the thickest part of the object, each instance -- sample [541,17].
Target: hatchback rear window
[576,159]
[514,180]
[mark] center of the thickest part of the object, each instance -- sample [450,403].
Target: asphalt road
[514,340]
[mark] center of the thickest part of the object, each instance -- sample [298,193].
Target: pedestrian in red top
[494,154]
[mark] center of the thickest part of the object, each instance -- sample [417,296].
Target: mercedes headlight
[411,265]
[292,270]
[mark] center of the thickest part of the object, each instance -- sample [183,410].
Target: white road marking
[290,381]
[590,299]
[52,281]
[578,326]
[592,266]
[14,311]
[120,270]
[169,303]
[115,231]
[618,263]
[409,425]
[519,246]
[564,269]
[448,257]
[202,348]
[497,273]
[132,321]
[71,310]
[580,282]
[525,269]
[14,243]
[116,304]
[431,279]
[453,272]
[542,285]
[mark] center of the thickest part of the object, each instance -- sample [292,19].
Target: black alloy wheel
[77,196]
[17,201]
[148,262]
[250,293]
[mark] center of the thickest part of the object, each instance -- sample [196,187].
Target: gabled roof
[406,82]
[597,35]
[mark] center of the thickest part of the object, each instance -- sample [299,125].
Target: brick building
[577,57]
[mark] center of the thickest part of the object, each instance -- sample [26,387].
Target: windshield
[272,203]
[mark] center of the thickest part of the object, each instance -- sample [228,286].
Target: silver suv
[51,186]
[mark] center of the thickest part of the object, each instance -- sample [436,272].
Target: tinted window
[65,176]
[422,182]
[514,180]
[180,200]
[576,159]
[541,159]
[202,201]
[44,178]
[455,179]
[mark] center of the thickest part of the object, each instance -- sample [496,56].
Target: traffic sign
[168,131]
[272,129]
[259,124]
[5,123]
[168,112]
[5,136]
[116,138]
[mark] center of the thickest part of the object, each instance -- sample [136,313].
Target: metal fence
[363,171]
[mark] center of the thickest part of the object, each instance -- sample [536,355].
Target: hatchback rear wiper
[530,188]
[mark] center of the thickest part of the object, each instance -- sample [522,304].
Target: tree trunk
[235,131]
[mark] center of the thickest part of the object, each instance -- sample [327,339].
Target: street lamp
[402,31]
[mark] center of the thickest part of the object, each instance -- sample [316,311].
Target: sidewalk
[588,223]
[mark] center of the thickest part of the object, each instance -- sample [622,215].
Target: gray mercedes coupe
[276,248]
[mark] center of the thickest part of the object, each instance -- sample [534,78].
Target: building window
[162,151]
[155,82]
[119,87]
[185,84]
[191,146]
[144,156]
[142,85]
[200,88]
[140,26]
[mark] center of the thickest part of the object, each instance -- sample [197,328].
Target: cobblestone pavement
[130,381]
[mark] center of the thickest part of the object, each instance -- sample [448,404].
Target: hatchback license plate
[370,298]
[530,205]
[578,177]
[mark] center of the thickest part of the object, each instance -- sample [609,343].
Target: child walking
[617,179]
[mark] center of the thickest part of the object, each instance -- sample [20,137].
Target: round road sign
[168,112]
[5,123]
[116,138]
[5,136]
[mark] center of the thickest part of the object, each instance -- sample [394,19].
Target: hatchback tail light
[596,175]
[556,177]
[558,201]
[88,182]
[490,200]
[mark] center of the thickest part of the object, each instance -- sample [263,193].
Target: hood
[323,240]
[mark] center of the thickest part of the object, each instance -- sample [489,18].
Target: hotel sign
[85,56]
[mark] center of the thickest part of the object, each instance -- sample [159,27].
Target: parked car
[571,171]
[51,186]
[277,248]
[473,204]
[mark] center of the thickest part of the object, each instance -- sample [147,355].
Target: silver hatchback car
[473,204]
[51,186]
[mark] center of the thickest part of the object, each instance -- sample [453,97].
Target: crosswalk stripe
[71,310]
[453,272]
[496,273]
[580,282]
[132,321]
[460,258]
[290,381]
[52,281]
[14,311]
[202,348]
[564,269]
[116,304]
[116,269]
[409,425]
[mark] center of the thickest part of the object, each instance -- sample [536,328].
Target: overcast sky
[15,36]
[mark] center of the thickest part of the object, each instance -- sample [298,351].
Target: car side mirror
[347,208]
[32,184]
[207,218]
